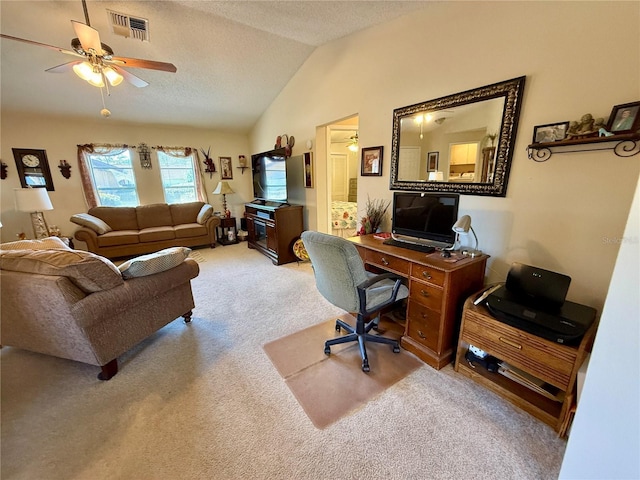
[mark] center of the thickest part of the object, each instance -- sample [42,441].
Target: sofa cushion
[190,230]
[154,262]
[185,212]
[205,212]
[89,221]
[156,234]
[48,243]
[88,271]
[154,215]
[119,237]
[118,218]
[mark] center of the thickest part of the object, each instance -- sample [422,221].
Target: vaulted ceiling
[232,57]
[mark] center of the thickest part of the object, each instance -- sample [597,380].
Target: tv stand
[273,228]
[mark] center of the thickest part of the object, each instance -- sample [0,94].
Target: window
[178,178]
[113,179]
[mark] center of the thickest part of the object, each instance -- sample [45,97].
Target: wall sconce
[145,155]
[3,170]
[65,169]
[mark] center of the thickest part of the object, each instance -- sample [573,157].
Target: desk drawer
[388,262]
[541,358]
[428,274]
[425,294]
[423,325]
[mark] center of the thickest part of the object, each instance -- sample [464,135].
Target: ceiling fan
[96,61]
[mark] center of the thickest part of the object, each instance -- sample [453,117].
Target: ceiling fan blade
[88,36]
[62,50]
[130,77]
[65,67]
[150,64]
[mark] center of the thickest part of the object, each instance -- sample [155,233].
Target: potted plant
[374,215]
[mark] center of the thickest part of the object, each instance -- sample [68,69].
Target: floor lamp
[34,201]
[223,188]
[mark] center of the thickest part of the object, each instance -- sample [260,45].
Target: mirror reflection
[461,143]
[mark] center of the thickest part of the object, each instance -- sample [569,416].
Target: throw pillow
[49,243]
[154,262]
[88,271]
[89,221]
[205,212]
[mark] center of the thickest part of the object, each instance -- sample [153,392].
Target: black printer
[533,300]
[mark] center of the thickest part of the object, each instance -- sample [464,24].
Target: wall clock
[33,168]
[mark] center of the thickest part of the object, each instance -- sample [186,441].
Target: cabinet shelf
[623,145]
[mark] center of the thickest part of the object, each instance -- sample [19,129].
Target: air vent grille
[127,26]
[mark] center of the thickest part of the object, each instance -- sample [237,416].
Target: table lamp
[223,188]
[34,201]
[463,225]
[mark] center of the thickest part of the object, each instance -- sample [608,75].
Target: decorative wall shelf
[243,169]
[623,145]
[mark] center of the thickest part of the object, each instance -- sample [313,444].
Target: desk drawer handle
[424,315]
[424,293]
[427,275]
[510,343]
[384,261]
[421,335]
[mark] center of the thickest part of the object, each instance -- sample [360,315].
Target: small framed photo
[432,161]
[552,132]
[371,161]
[308,170]
[226,173]
[624,118]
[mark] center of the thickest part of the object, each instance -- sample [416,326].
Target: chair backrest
[338,268]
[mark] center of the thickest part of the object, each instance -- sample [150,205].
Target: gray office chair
[343,281]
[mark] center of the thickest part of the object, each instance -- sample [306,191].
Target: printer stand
[553,366]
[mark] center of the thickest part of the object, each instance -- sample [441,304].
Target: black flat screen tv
[270,175]
[425,218]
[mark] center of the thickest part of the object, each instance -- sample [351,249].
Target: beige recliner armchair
[77,305]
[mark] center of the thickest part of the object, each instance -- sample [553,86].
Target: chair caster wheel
[337,327]
[396,349]
[365,368]
[327,350]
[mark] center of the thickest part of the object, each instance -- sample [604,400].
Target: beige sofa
[76,305]
[124,231]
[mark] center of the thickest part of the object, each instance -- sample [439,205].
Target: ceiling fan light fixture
[353,146]
[84,70]
[114,77]
[96,79]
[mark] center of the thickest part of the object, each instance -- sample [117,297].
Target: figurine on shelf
[583,129]
[210,167]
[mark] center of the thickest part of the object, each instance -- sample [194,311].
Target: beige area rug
[330,387]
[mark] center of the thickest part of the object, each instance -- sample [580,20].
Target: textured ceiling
[233,57]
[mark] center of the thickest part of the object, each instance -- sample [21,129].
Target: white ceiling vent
[128,26]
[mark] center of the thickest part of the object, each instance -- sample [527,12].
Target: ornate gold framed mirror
[461,143]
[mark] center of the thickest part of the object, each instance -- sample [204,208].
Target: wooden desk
[437,290]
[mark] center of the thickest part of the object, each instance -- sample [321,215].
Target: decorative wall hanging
[3,170]
[308,170]
[225,168]
[65,169]
[145,155]
[210,166]
[372,161]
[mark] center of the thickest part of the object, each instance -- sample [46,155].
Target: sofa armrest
[211,224]
[88,236]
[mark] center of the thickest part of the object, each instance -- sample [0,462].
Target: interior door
[339,177]
[409,163]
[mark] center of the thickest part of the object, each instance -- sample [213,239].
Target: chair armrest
[362,291]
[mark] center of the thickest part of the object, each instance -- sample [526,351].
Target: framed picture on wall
[308,170]
[624,118]
[371,161]
[226,173]
[432,161]
[552,132]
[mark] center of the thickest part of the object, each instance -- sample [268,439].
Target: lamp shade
[32,200]
[223,188]
[462,225]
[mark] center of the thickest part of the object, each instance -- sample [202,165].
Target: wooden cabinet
[552,363]
[273,229]
[437,290]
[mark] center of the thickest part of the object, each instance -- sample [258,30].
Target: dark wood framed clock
[33,168]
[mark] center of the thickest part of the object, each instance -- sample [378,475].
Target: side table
[227,232]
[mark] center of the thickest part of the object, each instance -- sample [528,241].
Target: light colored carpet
[204,401]
[329,387]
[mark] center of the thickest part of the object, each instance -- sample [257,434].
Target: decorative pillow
[154,262]
[205,212]
[49,243]
[88,271]
[89,221]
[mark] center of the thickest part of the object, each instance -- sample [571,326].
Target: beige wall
[566,214]
[59,138]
